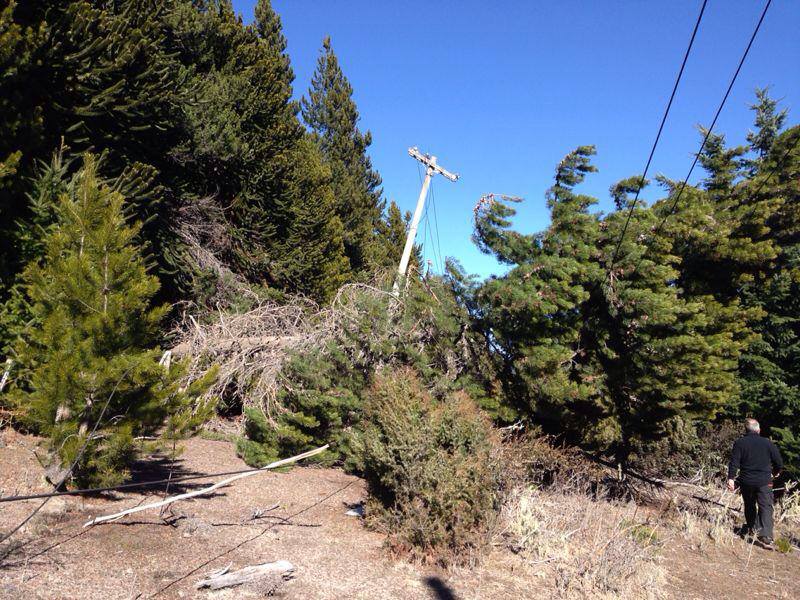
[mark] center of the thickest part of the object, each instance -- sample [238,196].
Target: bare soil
[150,555]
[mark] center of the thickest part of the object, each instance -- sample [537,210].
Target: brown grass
[590,548]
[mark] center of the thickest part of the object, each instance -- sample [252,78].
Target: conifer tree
[80,76]
[768,122]
[331,113]
[722,164]
[770,369]
[268,25]
[392,238]
[93,376]
[613,356]
[254,157]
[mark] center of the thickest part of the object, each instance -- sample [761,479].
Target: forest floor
[144,556]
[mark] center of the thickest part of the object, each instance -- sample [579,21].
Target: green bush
[325,388]
[431,468]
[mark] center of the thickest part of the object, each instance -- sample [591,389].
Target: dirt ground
[145,556]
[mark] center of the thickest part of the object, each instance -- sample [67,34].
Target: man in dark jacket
[756,460]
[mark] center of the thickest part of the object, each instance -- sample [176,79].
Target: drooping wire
[436,225]
[713,122]
[658,135]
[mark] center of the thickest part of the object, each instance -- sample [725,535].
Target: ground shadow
[148,477]
[441,590]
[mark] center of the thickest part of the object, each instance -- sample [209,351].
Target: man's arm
[775,456]
[733,465]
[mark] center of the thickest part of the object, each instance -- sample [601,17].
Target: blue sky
[501,90]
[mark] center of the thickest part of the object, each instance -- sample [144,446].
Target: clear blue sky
[501,90]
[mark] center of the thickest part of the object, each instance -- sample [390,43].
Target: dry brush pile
[250,348]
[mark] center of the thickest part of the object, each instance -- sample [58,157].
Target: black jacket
[755,458]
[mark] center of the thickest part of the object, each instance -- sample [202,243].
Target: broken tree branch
[219,484]
[249,574]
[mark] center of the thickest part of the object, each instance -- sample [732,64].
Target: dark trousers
[758,509]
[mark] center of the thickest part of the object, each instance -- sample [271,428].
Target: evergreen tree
[613,356]
[191,108]
[770,369]
[722,164]
[252,154]
[331,113]
[268,25]
[89,355]
[392,235]
[86,75]
[768,123]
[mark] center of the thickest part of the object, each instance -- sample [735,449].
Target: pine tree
[268,25]
[770,369]
[722,164]
[331,113]
[768,123]
[253,156]
[89,356]
[611,355]
[79,76]
[392,231]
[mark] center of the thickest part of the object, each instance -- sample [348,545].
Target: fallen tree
[252,574]
[250,348]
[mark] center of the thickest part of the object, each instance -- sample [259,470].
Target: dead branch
[223,578]
[249,349]
[204,491]
[4,380]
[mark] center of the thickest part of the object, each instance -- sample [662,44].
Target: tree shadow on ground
[148,477]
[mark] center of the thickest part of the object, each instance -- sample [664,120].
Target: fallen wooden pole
[246,575]
[219,484]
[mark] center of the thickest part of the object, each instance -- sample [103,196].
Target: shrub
[431,469]
[324,387]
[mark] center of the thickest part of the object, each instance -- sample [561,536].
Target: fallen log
[251,574]
[202,492]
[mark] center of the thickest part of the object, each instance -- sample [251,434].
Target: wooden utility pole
[431,168]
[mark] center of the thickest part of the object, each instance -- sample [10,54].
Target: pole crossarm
[430,162]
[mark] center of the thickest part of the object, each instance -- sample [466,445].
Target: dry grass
[787,517]
[588,548]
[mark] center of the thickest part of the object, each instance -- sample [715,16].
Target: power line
[658,135]
[714,122]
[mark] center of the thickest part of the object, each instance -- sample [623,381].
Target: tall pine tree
[611,355]
[331,113]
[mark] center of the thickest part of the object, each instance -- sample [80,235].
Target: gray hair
[752,425]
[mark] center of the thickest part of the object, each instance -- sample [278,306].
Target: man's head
[752,426]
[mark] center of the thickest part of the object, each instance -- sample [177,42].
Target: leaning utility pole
[431,168]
